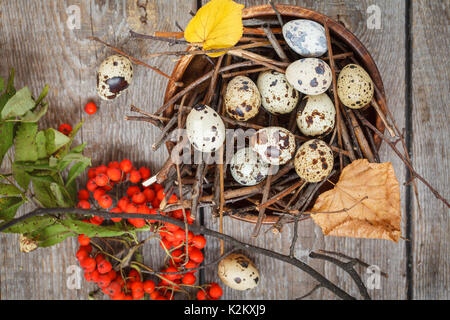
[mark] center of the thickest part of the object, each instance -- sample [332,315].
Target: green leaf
[58,193]
[55,140]
[76,170]
[6,138]
[9,207]
[32,116]
[19,104]
[21,176]
[31,224]
[42,191]
[78,149]
[9,190]
[41,145]
[51,235]
[92,230]
[25,144]
[42,95]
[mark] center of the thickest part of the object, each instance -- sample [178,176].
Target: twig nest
[242,98]
[309,76]
[306,37]
[114,76]
[238,272]
[318,116]
[247,168]
[277,95]
[275,145]
[314,161]
[354,87]
[205,129]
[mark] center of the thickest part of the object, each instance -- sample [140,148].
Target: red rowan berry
[201,295]
[113,289]
[88,264]
[171,277]
[134,275]
[154,295]
[118,296]
[105,201]
[95,275]
[199,241]
[165,244]
[83,194]
[171,227]
[96,220]
[180,234]
[177,255]
[132,190]
[156,203]
[116,210]
[112,274]
[196,255]
[90,108]
[132,208]
[104,266]
[101,169]
[149,194]
[91,185]
[137,286]
[126,165]
[138,223]
[189,279]
[114,174]
[114,164]
[135,176]
[88,248]
[160,194]
[88,276]
[65,129]
[98,193]
[103,280]
[123,203]
[81,254]
[100,257]
[173,199]
[157,187]
[101,180]
[149,286]
[84,204]
[145,173]
[191,265]
[83,240]
[91,173]
[138,198]
[215,291]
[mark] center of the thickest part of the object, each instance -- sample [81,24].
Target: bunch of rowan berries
[183,248]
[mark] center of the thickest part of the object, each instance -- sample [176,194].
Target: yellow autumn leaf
[217,25]
[365,203]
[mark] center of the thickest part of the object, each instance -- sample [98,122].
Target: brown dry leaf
[378,216]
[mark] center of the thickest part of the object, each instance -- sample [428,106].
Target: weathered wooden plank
[430,148]
[279,281]
[67,60]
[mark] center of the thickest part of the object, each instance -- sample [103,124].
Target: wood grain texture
[430,148]
[280,281]
[36,41]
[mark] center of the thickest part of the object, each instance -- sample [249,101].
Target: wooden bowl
[197,65]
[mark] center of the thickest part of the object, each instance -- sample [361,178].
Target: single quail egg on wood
[205,129]
[354,87]
[242,98]
[247,168]
[309,76]
[306,37]
[114,76]
[275,145]
[238,272]
[318,116]
[314,161]
[277,95]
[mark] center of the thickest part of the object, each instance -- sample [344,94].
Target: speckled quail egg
[277,95]
[275,145]
[309,76]
[314,161]
[205,129]
[354,87]
[305,37]
[318,116]
[247,168]
[242,98]
[114,76]
[238,272]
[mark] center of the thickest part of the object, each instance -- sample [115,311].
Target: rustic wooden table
[409,47]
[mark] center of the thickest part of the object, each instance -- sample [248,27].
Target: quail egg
[242,98]
[305,37]
[275,145]
[277,95]
[314,161]
[205,129]
[354,87]
[247,168]
[318,116]
[114,76]
[238,272]
[309,76]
